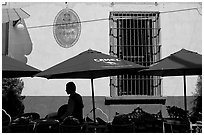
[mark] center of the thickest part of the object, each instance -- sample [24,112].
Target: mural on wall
[66,28]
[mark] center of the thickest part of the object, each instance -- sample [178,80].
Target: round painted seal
[66,28]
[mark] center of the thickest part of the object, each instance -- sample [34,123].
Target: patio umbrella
[90,65]
[12,68]
[13,14]
[181,63]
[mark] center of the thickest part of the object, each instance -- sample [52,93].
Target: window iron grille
[134,36]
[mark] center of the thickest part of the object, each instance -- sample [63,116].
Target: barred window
[134,36]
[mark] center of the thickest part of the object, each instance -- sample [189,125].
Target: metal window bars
[134,36]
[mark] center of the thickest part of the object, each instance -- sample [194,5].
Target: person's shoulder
[78,95]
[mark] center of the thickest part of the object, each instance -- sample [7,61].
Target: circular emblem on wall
[66,28]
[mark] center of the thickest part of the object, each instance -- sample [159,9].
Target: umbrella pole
[185,104]
[93,101]
[7,39]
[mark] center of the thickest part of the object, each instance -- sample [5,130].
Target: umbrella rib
[182,61]
[17,13]
[25,12]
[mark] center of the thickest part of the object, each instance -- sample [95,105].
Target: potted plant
[178,119]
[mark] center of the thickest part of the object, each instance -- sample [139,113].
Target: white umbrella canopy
[13,14]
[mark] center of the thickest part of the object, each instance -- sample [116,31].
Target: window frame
[114,38]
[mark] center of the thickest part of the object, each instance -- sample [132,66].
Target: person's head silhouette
[70,88]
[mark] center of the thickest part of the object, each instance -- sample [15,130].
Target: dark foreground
[54,127]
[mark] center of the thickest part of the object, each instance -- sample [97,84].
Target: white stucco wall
[182,29]
[46,52]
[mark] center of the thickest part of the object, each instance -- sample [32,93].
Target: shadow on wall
[49,104]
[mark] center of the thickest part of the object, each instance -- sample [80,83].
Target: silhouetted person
[12,104]
[75,103]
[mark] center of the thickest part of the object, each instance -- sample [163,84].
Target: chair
[32,115]
[124,128]
[21,128]
[46,126]
[196,127]
[70,128]
[6,120]
[24,123]
[176,126]
[100,126]
[95,128]
[148,126]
